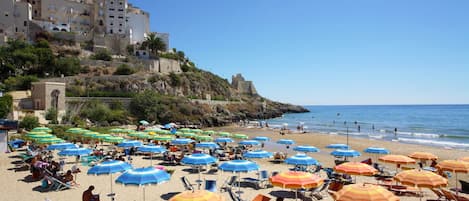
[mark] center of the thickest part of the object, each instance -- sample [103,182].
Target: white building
[138,24]
[67,15]
[116,16]
[14,19]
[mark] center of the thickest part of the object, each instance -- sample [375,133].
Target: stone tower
[245,87]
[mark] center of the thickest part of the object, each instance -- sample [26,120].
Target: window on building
[25,23]
[112,2]
[111,9]
[111,16]
[120,30]
[101,23]
[121,9]
[6,14]
[34,2]
[16,29]
[120,24]
[110,31]
[120,17]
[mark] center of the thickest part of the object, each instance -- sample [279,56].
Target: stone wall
[245,87]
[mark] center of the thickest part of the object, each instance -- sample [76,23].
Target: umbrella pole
[199,181]
[151,159]
[239,184]
[143,193]
[111,182]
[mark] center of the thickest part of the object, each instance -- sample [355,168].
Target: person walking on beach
[358,128]
[395,132]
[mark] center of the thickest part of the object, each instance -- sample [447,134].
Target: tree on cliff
[154,43]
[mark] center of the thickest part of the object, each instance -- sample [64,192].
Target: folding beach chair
[187,185]
[58,185]
[229,183]
[211,185]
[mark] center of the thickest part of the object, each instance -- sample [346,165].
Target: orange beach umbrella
[466,159]
[362,192]
[198,195]
[397,159]
[356,168]
[453,166]
[296,180]
[423,156]
[421,178]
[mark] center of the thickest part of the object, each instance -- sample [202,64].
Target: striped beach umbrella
[356,168]
[306,149]
[454,166]
[43,129]
[337,146]
[345,153]
[396,159]
[116,130]
[151,149]
[143,177]
[209,132]
[238,166]
[466,159]
[301,159]
[207,145]
[109,167]
[189,135]
[130,143]
[423,156]
[113,139]
[62,146]
[185,129]
[197,131]
[258,154]
[198,160]
[224,134]
[74,130]
[249,143]
[53,140]
[204,138]
[262,139]
[296,180]
[240,136]
[285,142]
[181,141]
[376,150]
[101,136]
[364,192]
[75,152]
[39,136]
[224,140]
[421,178]
[90,134]
[164,132]
[197,195]
[164,138]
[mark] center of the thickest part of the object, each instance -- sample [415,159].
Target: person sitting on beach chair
[68,178]
[279,156]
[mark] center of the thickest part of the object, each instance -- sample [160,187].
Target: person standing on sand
[395,132]
[358,128]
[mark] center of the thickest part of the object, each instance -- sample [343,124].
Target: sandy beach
[16,186]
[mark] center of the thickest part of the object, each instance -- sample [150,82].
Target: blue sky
[328,51]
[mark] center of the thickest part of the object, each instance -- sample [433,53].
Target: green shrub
[6,104]
[29,122]
[124,69]
[67,66]
[51,114]
[175,79]
[20,82]
[102,55]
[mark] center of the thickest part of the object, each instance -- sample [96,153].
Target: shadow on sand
[168,196]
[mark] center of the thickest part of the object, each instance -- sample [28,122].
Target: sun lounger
[229,183]
[439,194]
[261,197]
[187,185]
[405,190]
[233,196]
[58,185]
[451,196]
[260,182]
[211,185]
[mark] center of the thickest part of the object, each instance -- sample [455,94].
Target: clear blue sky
[329,51]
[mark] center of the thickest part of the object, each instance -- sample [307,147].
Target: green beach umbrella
[163,132]
[210,132]
[101,136]
[53,140]
[151,130]
[90,134]
[45,129]
[116,130]
[189,135]
[36,133]
[72,130]
[40,136]
[185,129]
[162,138]
[179,133]
[204,138]
[113,139]
[224,134]
[240,136]
[197,131]
[139,135]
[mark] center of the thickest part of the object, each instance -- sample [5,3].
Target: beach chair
[187,185]
[233,196]
[439,194]
[259,183]
[58,185]
[229,183]
[211,185]
[261,197]
[451,196]
[318,192]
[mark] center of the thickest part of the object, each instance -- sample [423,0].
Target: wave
[439,143]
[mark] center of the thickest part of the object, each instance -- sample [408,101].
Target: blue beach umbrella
[75,152]
[130,143]
[262,139]
[345,153]
[238,166]
[249,142]
[143,177]
[207,145]
[257,154]
[109,167]
[151,150]
[198,160]
[301,159]
[223,140]
[285,142]
[338,146]
[376,150]
[62,146]
[306,149]
[181,141]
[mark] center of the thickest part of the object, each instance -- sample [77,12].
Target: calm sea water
[434,125]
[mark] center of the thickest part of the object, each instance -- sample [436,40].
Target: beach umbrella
[164,132]
[397,159]
[296,180]
[143,122]
[454,166]
[130,143]
[181,141]
[143,177]
[39,136]
[197,195]
[257,154]
[338,146]
[466,159]
[238,166]
[75,152]
[376,150]
[285,142]
[113,139]
[423,156]
[164,138]
[101,136]
[53,140]
[90,134]
[262,139]
[301,159]
[185,129]
[75,130]
[109,167]
[115,130]
[209,132]
[151,149]
[43,129]
[198,160]
[421,178]
[345,153]
[36,133]
[189,135]
[224,134]
[240,136]
[197,131]
[224,140]
[207,145]
[364,192]
[249,143]
[204,138]
[355,168]
[306,149]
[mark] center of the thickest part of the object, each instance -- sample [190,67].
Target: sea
[445,126]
